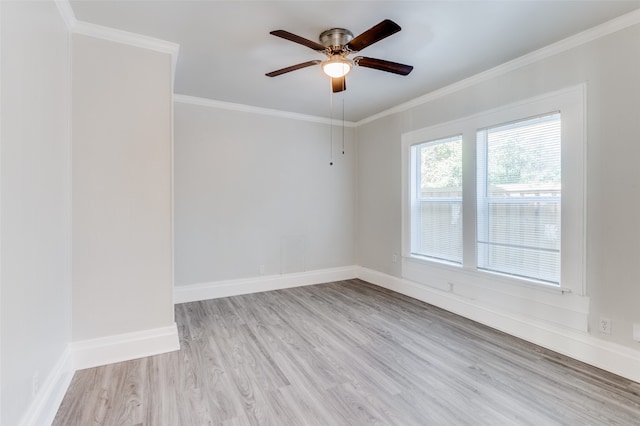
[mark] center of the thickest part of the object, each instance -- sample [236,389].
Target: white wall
[611,68]
[122,267]
[254,190]
[251,190]
[35,197]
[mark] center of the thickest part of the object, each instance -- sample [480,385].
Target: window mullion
[469,199]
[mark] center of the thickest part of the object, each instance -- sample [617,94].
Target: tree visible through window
[441,165]
[519,198]
[437,222]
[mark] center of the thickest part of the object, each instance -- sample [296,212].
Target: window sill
[485,274]
[432,260]
[543,302]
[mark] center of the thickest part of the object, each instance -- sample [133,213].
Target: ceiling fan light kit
[337,44]
[337,66]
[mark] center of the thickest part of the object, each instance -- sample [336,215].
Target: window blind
[519,197]
[437,199]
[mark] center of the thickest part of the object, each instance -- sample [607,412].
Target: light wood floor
[346,353]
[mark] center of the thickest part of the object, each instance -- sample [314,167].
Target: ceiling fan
[338,44]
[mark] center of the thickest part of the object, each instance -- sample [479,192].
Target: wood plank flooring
[346,353]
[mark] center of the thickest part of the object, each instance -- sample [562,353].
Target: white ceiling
[226,48]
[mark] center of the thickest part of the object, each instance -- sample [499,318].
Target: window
[519,198]
[437,199]
[503,200]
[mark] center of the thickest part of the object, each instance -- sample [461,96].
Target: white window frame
[485,200]
[571,103]
[416,201]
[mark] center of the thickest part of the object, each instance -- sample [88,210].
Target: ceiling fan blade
[374,34]
[338,84]
[300,40]
[382,65]
[292,68]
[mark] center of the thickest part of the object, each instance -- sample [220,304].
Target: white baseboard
[217,289]
[608,356]
[45,405]
[93,353]
[124,347]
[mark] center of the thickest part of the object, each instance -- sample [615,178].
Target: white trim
[571,101]
[193,100]
[93,353]
[131,39]
[217,289]
[117,36]
[125,37]
[1,197]
[533,302]
[602,30]
[45,405]
[69,18]
[172,201]
[125,347]
[173,49]
[581,346]
[444,128]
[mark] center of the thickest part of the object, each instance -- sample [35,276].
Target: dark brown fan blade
[338,84]
[297,39]
[382,65]
[374,34]
[292,68]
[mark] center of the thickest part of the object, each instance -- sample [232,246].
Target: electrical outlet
[35,384]
[636,331]
[261,269]
[605,325]
[394,258]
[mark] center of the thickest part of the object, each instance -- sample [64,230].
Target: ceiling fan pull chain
[342,125]
[331,129]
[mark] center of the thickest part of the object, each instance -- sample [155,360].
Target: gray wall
[610,66]
[122,266]
[35,197]
[253,190]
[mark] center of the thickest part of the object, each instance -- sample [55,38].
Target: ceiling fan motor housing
[335,38]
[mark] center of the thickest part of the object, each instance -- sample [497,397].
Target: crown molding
[126,37]
[609,27]
[67,14]
[193,100]
[117,36]
[131,39]
[173,49]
